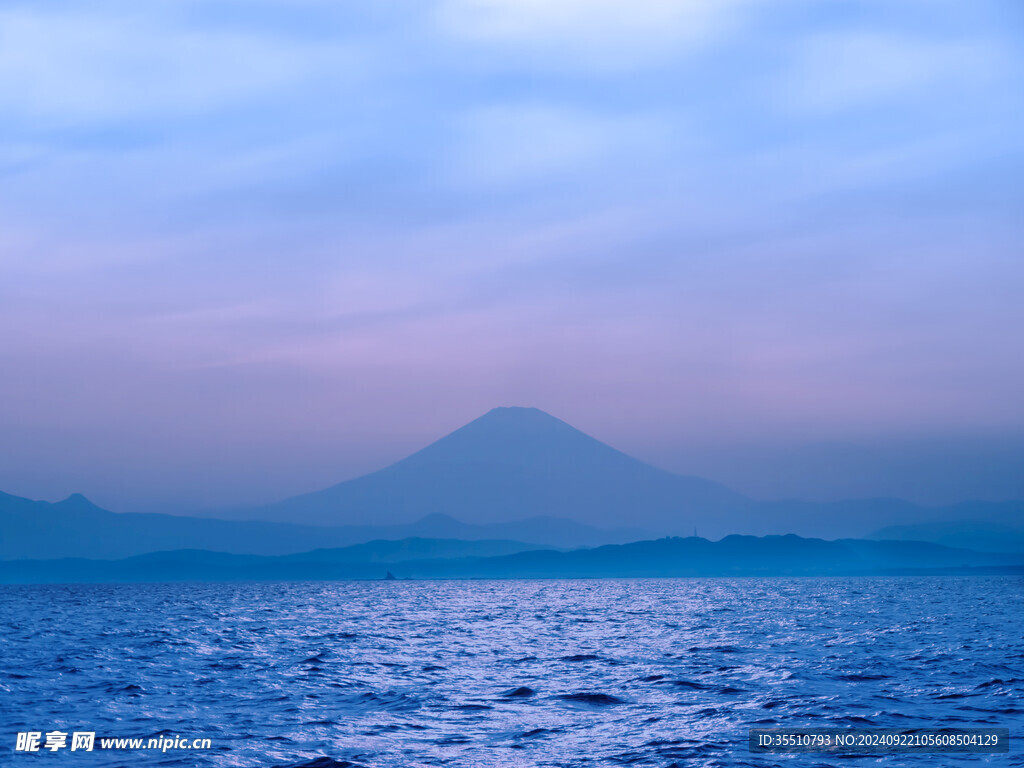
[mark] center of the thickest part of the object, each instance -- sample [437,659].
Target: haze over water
[514,673]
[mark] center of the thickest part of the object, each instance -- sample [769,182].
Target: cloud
[509,144]
[601,34]
[112,64]
[848,70]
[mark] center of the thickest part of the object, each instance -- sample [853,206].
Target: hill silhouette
[514,474]
[75,527]
[981,536]
[510,464]
[670,557]
[517,463]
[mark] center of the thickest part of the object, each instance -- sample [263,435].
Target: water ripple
[518,673]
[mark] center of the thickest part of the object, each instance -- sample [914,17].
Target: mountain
[732,556]
[861,518]
[553,531]
[981,536]
[670,557]
[514,474]
[412,548]
[515,463]
[75,527]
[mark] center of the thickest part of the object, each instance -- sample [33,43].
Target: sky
[251,249]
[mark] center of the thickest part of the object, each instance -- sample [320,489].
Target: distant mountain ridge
[672,557]
[75,527]
[978,535]
[514,474]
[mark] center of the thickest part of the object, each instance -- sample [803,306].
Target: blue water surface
[657,672]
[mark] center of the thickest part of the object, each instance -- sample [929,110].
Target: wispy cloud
[846,71]
[113,63]
[596,34]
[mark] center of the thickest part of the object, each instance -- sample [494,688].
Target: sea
[604,672]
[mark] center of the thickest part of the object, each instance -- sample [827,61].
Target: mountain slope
[77,528]
[732,556]
[861,518]
[514,474]
[513,463]
[981,536]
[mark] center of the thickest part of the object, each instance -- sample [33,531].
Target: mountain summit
[510,464]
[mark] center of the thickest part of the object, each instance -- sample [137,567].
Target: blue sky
[251,249]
